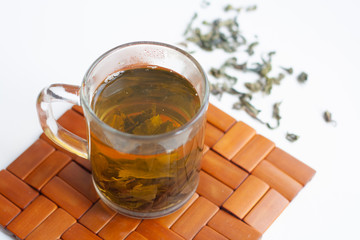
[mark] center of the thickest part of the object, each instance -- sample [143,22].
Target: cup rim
[177,131]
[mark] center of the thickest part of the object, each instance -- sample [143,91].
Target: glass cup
[142,176]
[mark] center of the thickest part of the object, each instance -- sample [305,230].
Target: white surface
[44,42]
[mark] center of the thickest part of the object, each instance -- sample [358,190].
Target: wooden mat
[245,184]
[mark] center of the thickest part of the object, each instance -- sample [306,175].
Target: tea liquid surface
[146,101]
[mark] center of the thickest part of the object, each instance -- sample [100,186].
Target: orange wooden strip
[73,122]
[219,118]
[246,196]
[83,162]
[152,230]
[78,109]
[277,179]
[7,211]
[32,217]
[212,134]
[206,148]
[79,232]
[97,216]
[233,228]
[66,197]
[222,169]
[16,190]
[168,221]
[119,227]
[234,140]
[213,189]
[30,159]
[266,211]
[53,227]
[47,169]
[80,179]
[135,236]
[253,152]
[198,214]
[207,233]
[290,165]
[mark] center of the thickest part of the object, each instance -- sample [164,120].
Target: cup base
[143,215]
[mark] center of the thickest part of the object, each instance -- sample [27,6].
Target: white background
[44,42]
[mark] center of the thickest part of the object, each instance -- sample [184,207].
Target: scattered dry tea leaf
[328,118]
[302,77]
[291,137]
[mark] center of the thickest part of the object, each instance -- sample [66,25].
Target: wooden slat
[97,216]
[290,165]
[47,169]
[190,223]
[30,159]
[169,220]
[79,232]
[79,179]
[212,135]
[152,230]
[214,190]
[253,152]
[216,166]
[219,118]
[53,227]
[207,233]
[246,196]
[135,236]
[234,140]
[266,211]
[74,122]
[232,227]
[119,227]
[8,211]
[66,197]
[277,179]
[16,190]
[32,217]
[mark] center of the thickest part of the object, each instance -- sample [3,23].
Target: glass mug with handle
[145,108]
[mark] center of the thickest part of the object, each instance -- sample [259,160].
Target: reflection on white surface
[46,42]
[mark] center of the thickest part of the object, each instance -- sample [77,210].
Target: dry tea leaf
[250,49]
[275,115]
[291,137]
[226,35]
[302,77]
[328,118]
[288,70]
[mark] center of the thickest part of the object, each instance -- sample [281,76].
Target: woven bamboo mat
[245,184]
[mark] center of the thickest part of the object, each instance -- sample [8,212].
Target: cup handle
[52,129]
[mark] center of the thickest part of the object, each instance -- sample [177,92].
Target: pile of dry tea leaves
[225,34]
